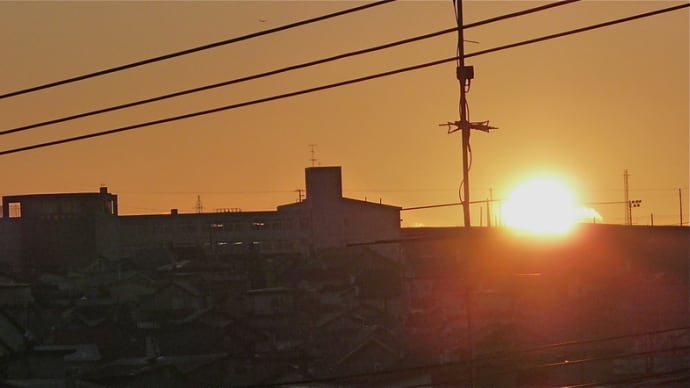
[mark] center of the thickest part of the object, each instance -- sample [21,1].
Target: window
[15,210]
[109,207]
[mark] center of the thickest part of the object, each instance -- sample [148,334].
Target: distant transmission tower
[199,206]
[626,193]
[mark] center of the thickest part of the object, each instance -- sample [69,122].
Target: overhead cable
[337,84]
[481,358]
[659,379]
[579,30]
[222,108]
[569,363]
[285,69]
[195,49]
[455,381]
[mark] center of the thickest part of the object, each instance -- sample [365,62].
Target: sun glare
[542,206]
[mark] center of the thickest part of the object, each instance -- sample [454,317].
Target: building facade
[325,219]
[54,230]
[47,230]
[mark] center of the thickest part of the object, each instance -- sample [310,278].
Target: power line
[334,85]
[285,69]
[479,359]
[223,108]
[579,30]
[576,362]
[515,14]
[640,379]
[195,49]
[450,204]
[554,364]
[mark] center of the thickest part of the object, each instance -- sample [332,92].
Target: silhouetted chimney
[103,190]
[173,212]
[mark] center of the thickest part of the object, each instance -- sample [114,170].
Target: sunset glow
[543,206]
[544,96]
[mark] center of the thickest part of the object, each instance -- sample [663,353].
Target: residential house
[171,301]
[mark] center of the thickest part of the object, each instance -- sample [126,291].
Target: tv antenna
[313,154]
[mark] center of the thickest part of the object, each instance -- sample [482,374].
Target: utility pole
[199,206]
[628,213]
[488,207]
[464,74]
[680,205]
[470,339]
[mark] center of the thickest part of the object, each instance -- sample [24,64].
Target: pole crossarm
[460,125]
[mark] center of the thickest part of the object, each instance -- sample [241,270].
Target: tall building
[336,221]
[54,230]
[325,219]
[58,230]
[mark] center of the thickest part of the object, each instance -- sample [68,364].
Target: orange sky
[583,107]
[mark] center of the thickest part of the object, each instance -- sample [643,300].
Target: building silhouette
[314,290]
[57,230]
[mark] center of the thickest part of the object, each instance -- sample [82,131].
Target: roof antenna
[313,155]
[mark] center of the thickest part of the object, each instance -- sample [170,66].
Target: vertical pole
[628,216]
[651,219]
[488,207]
[464,122]
[468,308]
[465,177]
[680,205]
[499,216]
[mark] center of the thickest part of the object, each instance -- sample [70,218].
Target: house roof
[366,343]
[79,352]
[48,383]
[373,204]
[270,291]
[10,327]
[7,280]
[188,288]
[348,201]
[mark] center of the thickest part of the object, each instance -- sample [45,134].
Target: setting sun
[543,206]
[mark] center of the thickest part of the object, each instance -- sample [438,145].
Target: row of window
[261,246]
[215,227]
[255,225]
[226,246]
